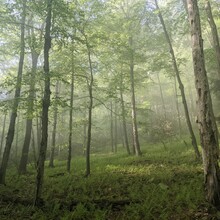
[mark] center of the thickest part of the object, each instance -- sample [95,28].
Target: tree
[45,107]
[133,102]
[181,86]
[123,116]
[30,102]
[214,34]
[51,163]
[90,89]
[206,120]
[71,109]
[3,134]
[11,129]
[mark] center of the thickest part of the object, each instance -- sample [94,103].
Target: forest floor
[161,184]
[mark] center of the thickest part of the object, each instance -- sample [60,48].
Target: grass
[161,184]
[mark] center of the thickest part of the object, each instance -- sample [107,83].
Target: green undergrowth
[161,184]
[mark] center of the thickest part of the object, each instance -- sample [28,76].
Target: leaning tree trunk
[25,150]
[71,112]
[11,129]
[3,134]
[181,86]
[54,132]
[206,120]
[177,108]
[45,108]
[214,34]
[89,131]
[133,104]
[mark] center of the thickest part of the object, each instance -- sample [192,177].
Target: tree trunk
[111,128]
[16,138]
[206,121]
[214,34]
[3,134]
[25,150]
[11,130]
[89,131]
[38,120]
[45,108]
[181,86]
[34,148]
[133,104]
[124,121]
[177,108]
[51,163]
[116,130]
[71,112]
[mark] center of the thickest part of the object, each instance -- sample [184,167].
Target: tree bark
[116,130]
[133,103]
[111,128]
[11,130]
[124,121]
[89,131]
[206,120]
[181,86]
[214,34]
[177,108]
[45,107]
[3,134]
[71,112]
[51,162]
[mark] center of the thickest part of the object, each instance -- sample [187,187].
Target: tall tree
[45,107]
[11,129]
[90,83]
[3,134]
[71,109]
[54,132]
[123,116]
[215,36]
[181,86]
[133,102]
[30,103]
[206,120]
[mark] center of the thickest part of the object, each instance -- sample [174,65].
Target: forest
[109,109]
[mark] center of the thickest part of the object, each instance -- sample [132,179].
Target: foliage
[159,185]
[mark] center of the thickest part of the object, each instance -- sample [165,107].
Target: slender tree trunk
[16,139]
[38,120]
[89,131]
[111,129]
[181,86]
[214,34]
[51,162]
[84,137]
[45,108]
[71,112]
[116,130]
[206,120]
[124,122]
[25,150]
[34,148]
[11,130]
[3,134]
[161,96]
[177,108]
[133,104]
